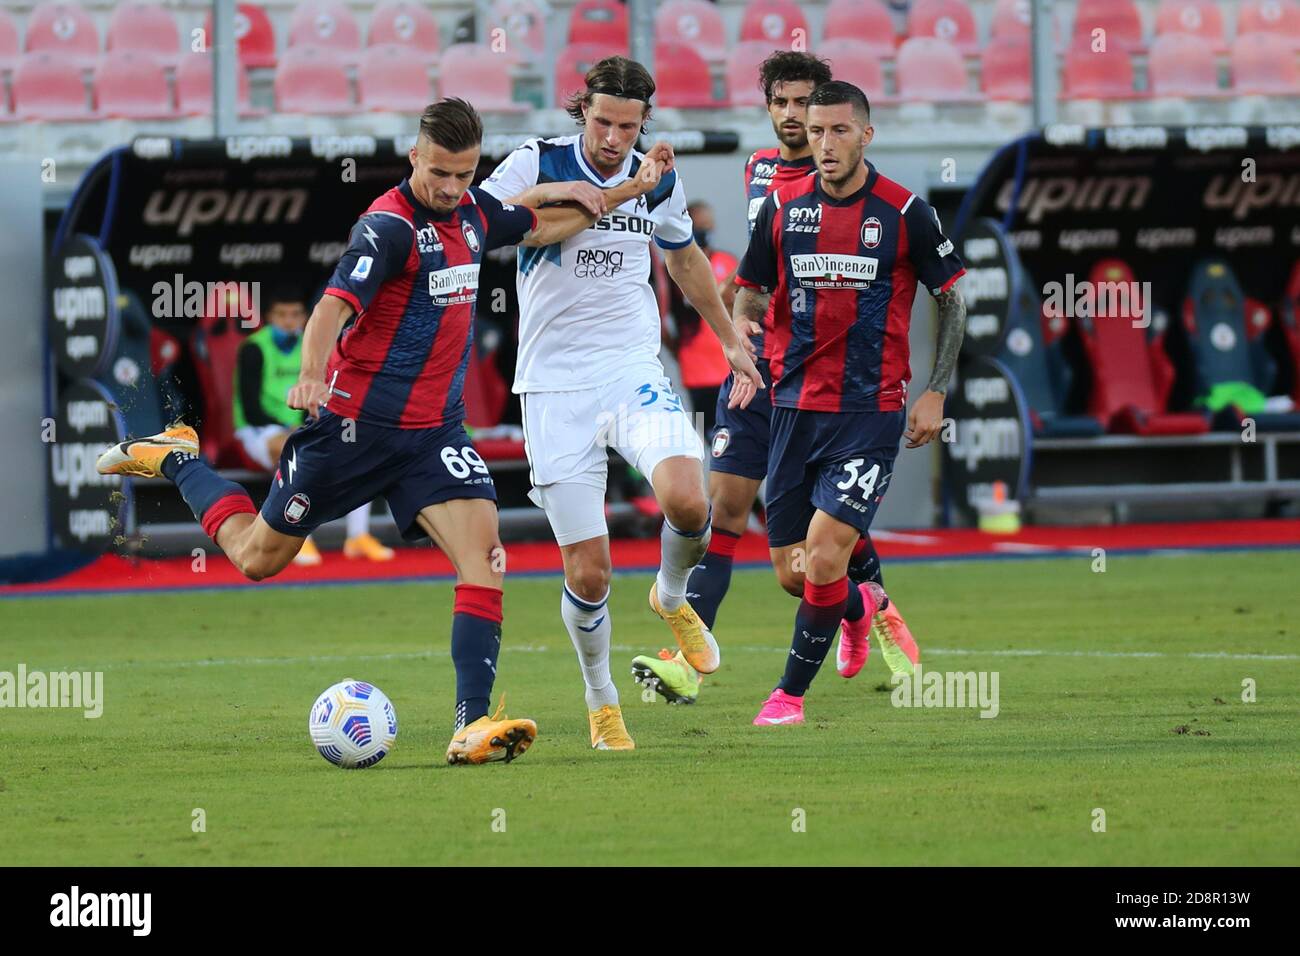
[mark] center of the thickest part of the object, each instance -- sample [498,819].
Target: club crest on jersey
[720,442]
[471,237]
[296,509]
[871,233]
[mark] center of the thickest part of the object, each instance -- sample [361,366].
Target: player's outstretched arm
[317,341]
[576,212]
[689,267]
[926,417]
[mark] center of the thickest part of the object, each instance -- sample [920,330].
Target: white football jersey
[587,310]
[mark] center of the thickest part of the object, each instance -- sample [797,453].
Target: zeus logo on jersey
[428,241]
[804,219]
[454,286]
[763,173]
[825,271]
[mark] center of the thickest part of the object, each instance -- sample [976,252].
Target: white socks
[359,521]
[589,629]
[680,552]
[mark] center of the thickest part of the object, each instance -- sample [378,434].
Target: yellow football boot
[608,731]
[143,457]
[492,738]
[697,644]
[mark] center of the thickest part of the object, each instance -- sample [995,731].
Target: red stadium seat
[65,30]
[312,80]
[1007,69]
[949,20]
[473,72]
[695,23]
[774,21]
[388,80]
[1280,17]
[214,344]
[1182,64]
[327,26]
[1131,374]
[854,61]
[132,86]
[523,28]
[1098,76]
[10,45]
[1200,18]
[931,70]
[1012,19]
[865,20]
[598,21]
[742,72]
[574,62]
[405,24]
[45,89]
[1118,18]
[1264,64]
[683,81]
[194,86]
[144,28]
[254,33]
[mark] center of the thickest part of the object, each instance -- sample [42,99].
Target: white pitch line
[622,648]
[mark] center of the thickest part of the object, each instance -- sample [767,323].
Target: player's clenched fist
[309,396]
[925,419]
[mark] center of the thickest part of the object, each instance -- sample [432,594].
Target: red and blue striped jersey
[411,274]
[843,274]
[766,172]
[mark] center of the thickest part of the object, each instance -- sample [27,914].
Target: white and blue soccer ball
[353,724]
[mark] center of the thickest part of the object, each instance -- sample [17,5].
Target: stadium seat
[45,89]
[255,35]
[574,62]
[865,20]
[1098,76]
[65,30]
[695,23]
[774,21]
[405,24]
[388,80]
[1182,64]
[1279,17]
[1131,374]
[1006,69]
[1012,20]
[132,86]
[1118,18]
[214,345]
[10,45]
[683,81]
[1200,18]
[312,80]
[523,27]
[855,62]
[473,72]
[327,26]
[1264,64]
[598,21]
[145,28]
[194,86]
[949,20]
[1224,349]
[742,72]
[931,70]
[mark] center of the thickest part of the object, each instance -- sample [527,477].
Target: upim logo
[103,909]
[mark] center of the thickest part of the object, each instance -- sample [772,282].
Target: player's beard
[795,139]
[843,172]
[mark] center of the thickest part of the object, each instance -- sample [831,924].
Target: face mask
[284,341]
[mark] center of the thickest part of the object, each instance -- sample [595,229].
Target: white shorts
[254,439]
[567,436]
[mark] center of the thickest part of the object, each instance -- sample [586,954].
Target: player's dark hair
[453,124]
[786,66]
[836,92]
[282,293]
[614,76]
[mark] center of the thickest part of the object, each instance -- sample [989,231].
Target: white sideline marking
[623,648]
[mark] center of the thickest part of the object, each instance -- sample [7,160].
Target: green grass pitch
[207,695]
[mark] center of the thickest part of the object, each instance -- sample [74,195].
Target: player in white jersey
[589,373]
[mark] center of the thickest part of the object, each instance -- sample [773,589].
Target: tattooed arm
[926,417]
[747,316]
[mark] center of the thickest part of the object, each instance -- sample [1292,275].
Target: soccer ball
[353,724]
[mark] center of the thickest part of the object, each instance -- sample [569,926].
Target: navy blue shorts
[836,462]
[323,475]
[740,438]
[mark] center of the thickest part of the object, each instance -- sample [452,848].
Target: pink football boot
[854,645]
[780,708]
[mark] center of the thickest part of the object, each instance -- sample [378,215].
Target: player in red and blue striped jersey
[832,267]
[385,401]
